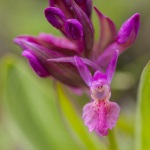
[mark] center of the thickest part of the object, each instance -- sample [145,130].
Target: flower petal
[83,70]
[58,44]
[112,110]
[100,116]
[112,66]
[99,75]
[90,116]
[108,32]
[71,60]
[35,64]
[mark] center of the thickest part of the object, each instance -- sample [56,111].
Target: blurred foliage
[32,105]
[32,117]
[142,123]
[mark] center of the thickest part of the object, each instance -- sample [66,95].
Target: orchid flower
[52,56]
[78,60]
[100,114]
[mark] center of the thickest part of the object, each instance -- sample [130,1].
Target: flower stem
[113,140]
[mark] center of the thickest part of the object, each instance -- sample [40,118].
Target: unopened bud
[55,17]
[35,64]
[74,29]
[129,30]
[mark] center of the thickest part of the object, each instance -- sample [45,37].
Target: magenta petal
[58,42]
[71,60]
[18,40]
[129,30]
[83,70]
[108,32]
[35,64]
[61,45]
[112,110]
[100,116]
[90,116]
[112,66]
[98,75]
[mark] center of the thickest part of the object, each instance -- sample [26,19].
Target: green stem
[113,140]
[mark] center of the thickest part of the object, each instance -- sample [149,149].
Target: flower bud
[55,17]
[74,29]
[128,32]
[35,64]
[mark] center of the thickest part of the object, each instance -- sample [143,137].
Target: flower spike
[77,60]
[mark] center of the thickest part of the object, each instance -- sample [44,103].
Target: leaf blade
[142,124]
[33,108]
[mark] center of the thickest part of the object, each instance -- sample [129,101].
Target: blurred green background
[32,117]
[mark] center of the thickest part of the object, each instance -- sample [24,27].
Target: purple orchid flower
[100,114]
[73,58]
[72,18]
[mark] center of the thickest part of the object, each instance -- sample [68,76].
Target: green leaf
[87,140]
[30,103]
[142,124]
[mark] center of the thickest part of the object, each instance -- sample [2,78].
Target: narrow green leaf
[87,140]
[142,124]
[30,102]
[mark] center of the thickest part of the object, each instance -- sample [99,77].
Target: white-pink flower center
[100,92]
